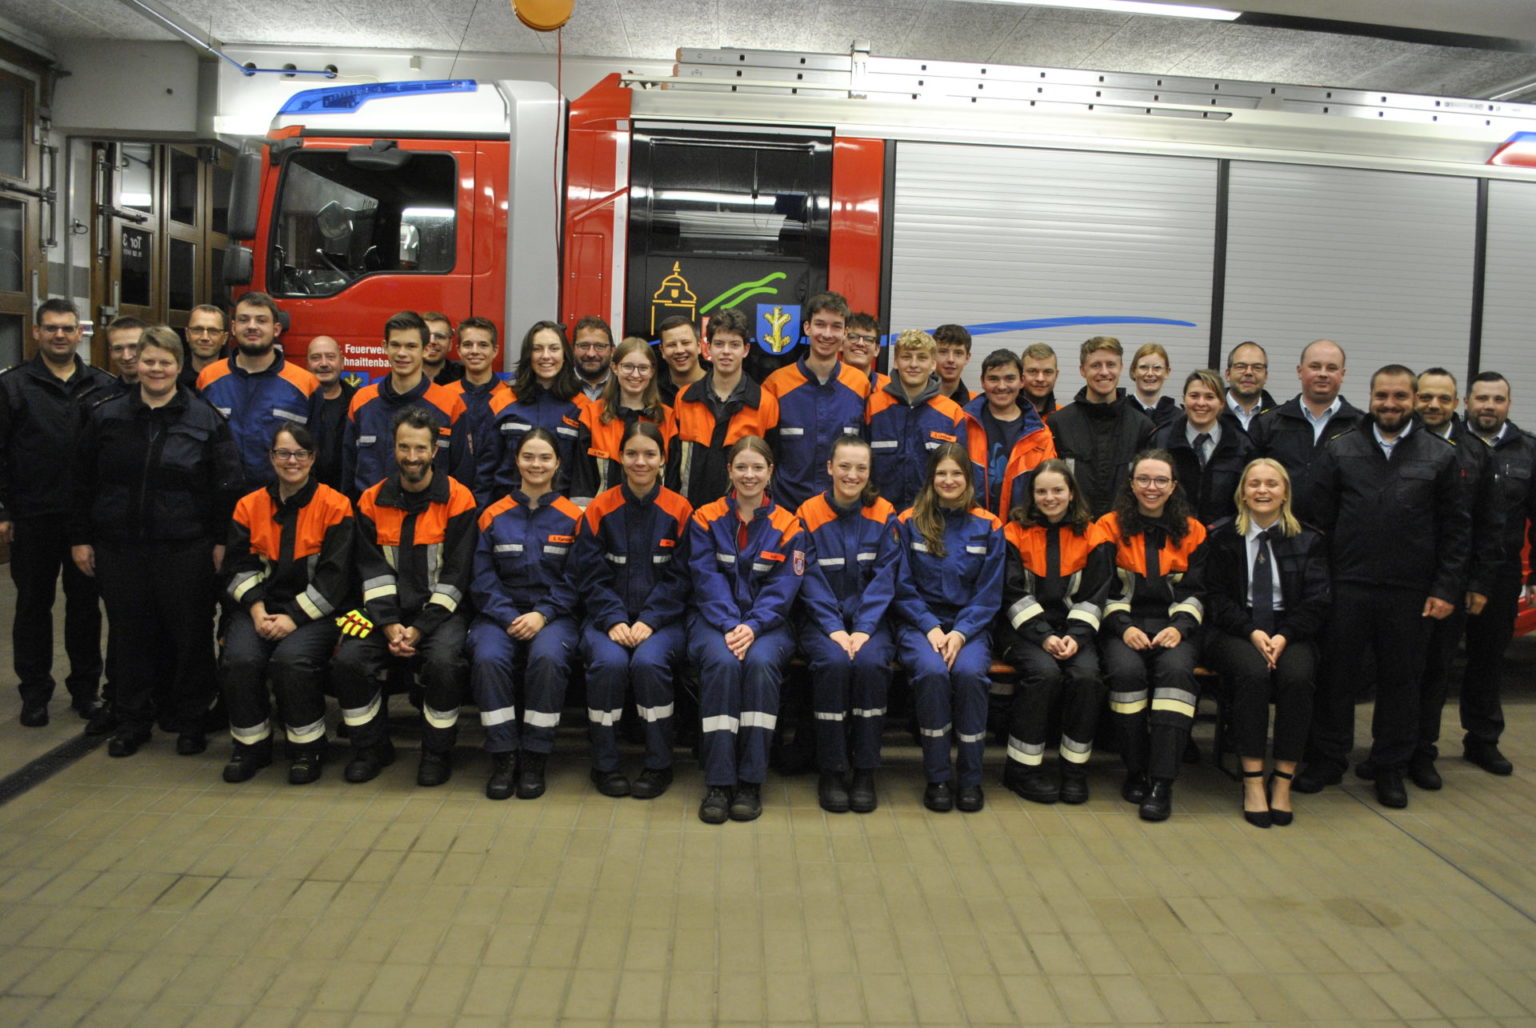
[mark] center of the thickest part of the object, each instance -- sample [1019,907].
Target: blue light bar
[346,99]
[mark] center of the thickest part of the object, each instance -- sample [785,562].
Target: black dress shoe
[1486,755]
[304,767]
[939,797]
[1280,818]
[189,744]
[34,715]
[1422,773]
[127,741]
[716,807]
[1159,801]
[1134,790]
[367,762]
[610,783]
[832,793]
[969,799]
[1316,778]
[651,783]
[434,770]
[87,709]
[1039,786]
[245,761]
[1389,789]
[862,798]
[1257,818]
[503,778]
[530,774]
[747,802]
[103,721]
[1074,784]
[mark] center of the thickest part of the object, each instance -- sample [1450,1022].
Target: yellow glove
[354,623]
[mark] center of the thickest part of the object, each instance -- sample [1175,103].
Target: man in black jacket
[1513,470]
[1390,499]
[1100,431]
[42,410]
[1294,432]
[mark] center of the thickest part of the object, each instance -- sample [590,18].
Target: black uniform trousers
[39,549]
[1152,696]
[294,664]
[1254,686]
[1439,655]
[1389,625]
[1045,682]
[160,621]
[444,673]
[1488,636]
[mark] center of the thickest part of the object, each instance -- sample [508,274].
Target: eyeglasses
[204,330]
[860,337]
[594,346]
[1250,367]
[442,337]
[1148,482]
[285,456]
[634,369]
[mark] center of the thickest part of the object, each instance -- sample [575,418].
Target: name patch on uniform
[666,542]
[775,557]
[944,437]
[565,539]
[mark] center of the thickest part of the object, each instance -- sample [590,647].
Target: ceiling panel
[937,29]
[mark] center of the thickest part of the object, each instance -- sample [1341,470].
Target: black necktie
[1200,441]
[1264,585]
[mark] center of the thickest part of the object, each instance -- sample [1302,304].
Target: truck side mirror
[245,192]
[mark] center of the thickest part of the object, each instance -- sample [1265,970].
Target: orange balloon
[543,15]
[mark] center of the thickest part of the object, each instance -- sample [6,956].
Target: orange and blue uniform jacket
[1153,576]
[603,448]
[415,551]
[368,449]
[1055,582]
[511,416]
[746,573]
[522,556]
[294,555]
[851,581]
[631,560]
[901,433]
[476,422]
[696,462]
[1009,474]
[812,414]
[961,590]
[256,403]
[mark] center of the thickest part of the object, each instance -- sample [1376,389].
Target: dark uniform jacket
[1210,489]
[294,556]
[1098,440]
[41,419]
[1285,434]
[1305,595]
[155,474]
[1400,524]
[1482,499]
[415,551]
[1055,582]
[1512,463]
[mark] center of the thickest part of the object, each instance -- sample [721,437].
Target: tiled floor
[147,891]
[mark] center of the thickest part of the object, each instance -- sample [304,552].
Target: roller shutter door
[1509,298]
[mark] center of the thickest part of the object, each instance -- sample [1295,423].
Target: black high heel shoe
[1279,817]
[1258,818]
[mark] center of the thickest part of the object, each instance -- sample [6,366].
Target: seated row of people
[639,580]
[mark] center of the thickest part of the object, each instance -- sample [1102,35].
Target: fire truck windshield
[336,222]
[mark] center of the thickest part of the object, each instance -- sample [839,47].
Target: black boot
[503,776]
[436,767]
[245,761]
[304,762]
[1158,804]
[368,761]
[530,775]
[1074,783]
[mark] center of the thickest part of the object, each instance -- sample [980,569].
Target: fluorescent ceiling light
[1135,7]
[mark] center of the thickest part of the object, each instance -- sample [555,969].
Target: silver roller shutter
[1509,298]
